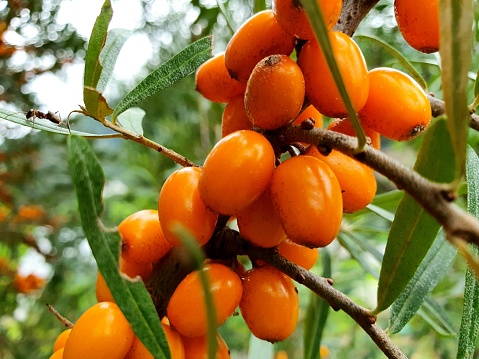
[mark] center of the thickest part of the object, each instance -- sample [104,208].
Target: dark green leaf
[131,296]
[259,5]
[414,230]
[455,18]
[179,66]
[115,40]
[316,316]
[429,273]
[470,316]
[131,119]
[94,101]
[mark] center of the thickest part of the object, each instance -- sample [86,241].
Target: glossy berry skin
[101,332]
[175,344]
[215,83]
[234,117]
[197,347]
[274,93]
[344,126]
[179,202]
[320,86]
[186,309]
[296,253]
[270,304]
[310,112]
[58,354]
[357,181]
[258,37]
[61,340]
[133,270]
[400,117]
[307,196]
[418,22]
[236,172]
[143,241]
[292,17]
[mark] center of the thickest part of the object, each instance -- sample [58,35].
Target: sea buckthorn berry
[258,37]
[400,117]
[418,22]
[274,93]
[58,354]
[197,347]
[310,112]
[29,283]
[133,270]
[143,240]
[179,202]
[292,17]
[186,309]
[307,196]
[234,117]
[236,171]
[296,253]
[61,340]
[103,293]
[101,332]
[270,304]
[344,126]
[260,223]
[175,343]
[215,83]
[357,181]
[320,86]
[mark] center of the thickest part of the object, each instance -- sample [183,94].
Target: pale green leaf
[131,119]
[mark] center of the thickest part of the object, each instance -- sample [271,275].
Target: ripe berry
[274,93]
[197,347]
[234,117]
[58,354]
[296,253]
[61,340]
[345,127]
[310,112]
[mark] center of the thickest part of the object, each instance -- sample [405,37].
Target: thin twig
[438,108]
[61,318]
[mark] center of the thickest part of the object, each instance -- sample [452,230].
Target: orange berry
[58,354]
[310,112]
[61,340]
[143,240]
[274,93]
[234,117]
[103,293]
[357,181]
[345,127]
[175,343]
[418,22]
[307,196]
[320,86]
[400,117]
[292,17]
[179,202]
[260,223]
[236,171]
[30,212]
[270,304]
[197,347]
[186,309]
[296,253]
[101,332]
[133,270]
[215,83]
[282,354]
[28,284]
[258,37]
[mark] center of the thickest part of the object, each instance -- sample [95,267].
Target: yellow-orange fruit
[234,117]
[418,22]
[175,343]
[58,354]
[61,340]
[292,17]
[29,283]
[179,202]
[236,171]
[270,304]
[274,93]
[215,83]
[307,195]
[400,117]
[357,181]
[143,241]
[102,332]
[103,293]
[344,126]
[197,347]
[320,86]
[258,37]
[296,253]
[310,112]
[133,270]
[186,309]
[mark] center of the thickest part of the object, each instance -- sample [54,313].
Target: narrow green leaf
[316,316]
[115,40]
[388,216]
[131,296]
[318,24]
[456,18]
[398,56]
[94,101]
[432,269]
[259,5]
[93,68]
[469,330]
[414,230]
[131,119]
[260,348]
[436,317]
[358,254]
[178,67]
